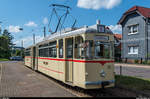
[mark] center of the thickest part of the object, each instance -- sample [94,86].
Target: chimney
[98,22]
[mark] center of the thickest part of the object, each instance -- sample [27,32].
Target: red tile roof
[118,36]
[144,11]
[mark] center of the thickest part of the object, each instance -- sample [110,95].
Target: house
[135,34]
[117,46]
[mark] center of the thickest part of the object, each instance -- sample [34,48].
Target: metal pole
[22,49]
[33,38]
[0,28]
[120,70]
[22,44]
[44,31]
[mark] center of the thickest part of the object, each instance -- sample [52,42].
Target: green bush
[136,61]
[144,62]
[148,62]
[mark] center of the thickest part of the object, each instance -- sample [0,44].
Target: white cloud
[31,24]
[14,29]
[98,4]
[28,41]
[116,28]
[45,20]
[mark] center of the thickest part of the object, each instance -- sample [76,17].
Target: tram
[82,57]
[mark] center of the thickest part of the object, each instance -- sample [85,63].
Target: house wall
[134,39]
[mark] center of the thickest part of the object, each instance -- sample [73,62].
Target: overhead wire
[61,18]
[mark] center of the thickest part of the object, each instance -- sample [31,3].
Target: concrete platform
[16,80]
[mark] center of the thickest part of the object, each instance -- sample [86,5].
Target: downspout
[122,45]
[146,37]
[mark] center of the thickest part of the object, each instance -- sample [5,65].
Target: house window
[133,29]
[132,50]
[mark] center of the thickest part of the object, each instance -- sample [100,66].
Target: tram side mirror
[91,43]
[76,45]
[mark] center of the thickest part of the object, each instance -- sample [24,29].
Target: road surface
[140,71]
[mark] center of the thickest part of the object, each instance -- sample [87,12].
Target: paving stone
[20,81]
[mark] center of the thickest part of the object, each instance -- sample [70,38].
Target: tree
[4,47]
[18,52]
[5,44]
[8,36]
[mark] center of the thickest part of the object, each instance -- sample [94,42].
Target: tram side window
[79,50]
[61,48]
[69,48]
[27,53]
[52,49]
[46,54]
[89,45]
[41,54]
[43,51]
[102,50]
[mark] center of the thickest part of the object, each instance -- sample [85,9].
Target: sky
[33,15]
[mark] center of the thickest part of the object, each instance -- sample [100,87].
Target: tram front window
[102,50]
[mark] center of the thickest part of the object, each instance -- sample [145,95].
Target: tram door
[33,58]
[69,56]
[36,59]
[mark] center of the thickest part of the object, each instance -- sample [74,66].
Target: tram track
[106,92]
[79,92]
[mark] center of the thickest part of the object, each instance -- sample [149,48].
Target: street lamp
[21,29]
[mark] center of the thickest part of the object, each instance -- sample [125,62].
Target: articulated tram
[82,57]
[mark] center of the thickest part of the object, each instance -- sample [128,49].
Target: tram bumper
[105,83]
[102,83]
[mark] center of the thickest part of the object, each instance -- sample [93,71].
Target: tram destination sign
[101,28]
[104,38]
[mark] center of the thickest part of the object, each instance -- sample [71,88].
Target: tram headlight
[102,73]
[86,74]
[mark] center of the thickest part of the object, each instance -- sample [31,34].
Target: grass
[4,59]
[133,83]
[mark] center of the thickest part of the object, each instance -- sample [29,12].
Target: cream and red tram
[80,57]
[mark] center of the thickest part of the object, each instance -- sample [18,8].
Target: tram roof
[75,31]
